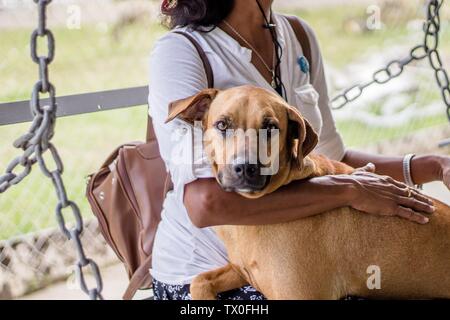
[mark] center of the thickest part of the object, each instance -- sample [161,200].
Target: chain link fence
[105,44]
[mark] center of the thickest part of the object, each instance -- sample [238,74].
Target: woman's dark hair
[198,14]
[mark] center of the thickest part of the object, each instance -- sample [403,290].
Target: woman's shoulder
[173,40]
[174,61]
[176,49]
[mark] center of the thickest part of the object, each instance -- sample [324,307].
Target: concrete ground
[115,279]
[115,282]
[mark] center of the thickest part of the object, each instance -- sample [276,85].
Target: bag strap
[140,277]
[302,37]
[209,76]
[203,57]
[151,135]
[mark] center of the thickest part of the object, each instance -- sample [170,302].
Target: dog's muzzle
[243,177]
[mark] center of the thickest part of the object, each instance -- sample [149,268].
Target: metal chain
[429,49]
[37,141]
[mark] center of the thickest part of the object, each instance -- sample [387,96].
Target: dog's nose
[246,170]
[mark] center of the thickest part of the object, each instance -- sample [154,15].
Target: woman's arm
[424,169]
[208,205]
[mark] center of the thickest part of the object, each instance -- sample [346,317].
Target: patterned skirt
[164,291]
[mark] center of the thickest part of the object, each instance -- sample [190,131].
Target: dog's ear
[302,139]
[193,108]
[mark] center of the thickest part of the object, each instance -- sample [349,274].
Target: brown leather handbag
[126,194]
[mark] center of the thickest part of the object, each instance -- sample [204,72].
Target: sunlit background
[105,44]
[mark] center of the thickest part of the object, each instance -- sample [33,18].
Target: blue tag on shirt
[304,64]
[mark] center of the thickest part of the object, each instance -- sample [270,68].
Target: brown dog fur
[325,256]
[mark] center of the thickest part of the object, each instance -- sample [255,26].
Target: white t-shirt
[181,250]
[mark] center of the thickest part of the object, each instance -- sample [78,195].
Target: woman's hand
[384,196]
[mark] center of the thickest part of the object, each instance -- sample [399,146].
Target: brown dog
[327,256]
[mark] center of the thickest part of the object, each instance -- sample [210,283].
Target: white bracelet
[407,170]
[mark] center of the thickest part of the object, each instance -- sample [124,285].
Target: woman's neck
[248,18]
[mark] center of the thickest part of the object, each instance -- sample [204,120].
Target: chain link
[429,49]
[35,144]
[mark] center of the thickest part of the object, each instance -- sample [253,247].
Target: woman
[247,44]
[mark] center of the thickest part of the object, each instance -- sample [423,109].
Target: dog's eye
[221,126]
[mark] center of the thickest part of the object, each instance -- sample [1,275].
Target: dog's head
[250,135]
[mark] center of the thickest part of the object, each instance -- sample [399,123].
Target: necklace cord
[280,88]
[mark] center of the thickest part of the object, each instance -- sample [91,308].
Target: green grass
[339,46]
[358,134]
[89,60]
[86,60]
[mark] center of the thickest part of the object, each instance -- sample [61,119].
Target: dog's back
[328,256]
